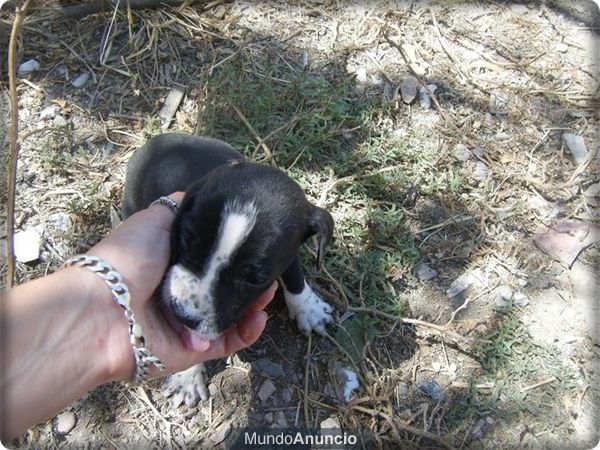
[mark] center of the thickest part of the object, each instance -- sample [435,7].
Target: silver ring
[168,202]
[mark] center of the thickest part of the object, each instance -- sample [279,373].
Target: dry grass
[313,89]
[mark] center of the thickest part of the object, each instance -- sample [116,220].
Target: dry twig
[458,338]
[14,142]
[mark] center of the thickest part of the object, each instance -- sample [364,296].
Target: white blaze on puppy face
[193,294]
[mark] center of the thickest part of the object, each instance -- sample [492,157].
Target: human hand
[139,250]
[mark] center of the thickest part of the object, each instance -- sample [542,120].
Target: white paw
[311,313]
[186,387]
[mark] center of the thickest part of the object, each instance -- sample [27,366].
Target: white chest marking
[237,221]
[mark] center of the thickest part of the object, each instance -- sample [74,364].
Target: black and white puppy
[237,230]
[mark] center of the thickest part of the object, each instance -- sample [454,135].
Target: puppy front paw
[309,310]
[186,387]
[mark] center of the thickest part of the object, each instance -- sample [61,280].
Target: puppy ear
[321,223]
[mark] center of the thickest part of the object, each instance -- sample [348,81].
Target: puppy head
[236,232]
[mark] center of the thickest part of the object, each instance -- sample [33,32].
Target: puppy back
[170,162]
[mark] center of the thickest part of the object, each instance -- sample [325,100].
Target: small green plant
[511,363]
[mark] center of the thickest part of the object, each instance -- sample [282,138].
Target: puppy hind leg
[187,387]
[304,305]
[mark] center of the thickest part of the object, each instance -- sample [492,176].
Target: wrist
[111,344]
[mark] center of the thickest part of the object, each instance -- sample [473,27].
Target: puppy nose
[189,322]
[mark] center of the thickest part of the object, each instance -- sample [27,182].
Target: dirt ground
[514,360]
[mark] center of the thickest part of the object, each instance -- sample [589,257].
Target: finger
[266,298]
[161,215]
[246,333]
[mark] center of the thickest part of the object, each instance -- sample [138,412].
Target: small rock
[592,191]
[27,245]
[81,80]
[27,67]
[576,146]
[460,284]
[424,272]
[505,292]
[64,423]
[351,384]
[519,9]
[424,97]
[481,171]
[408,89]
[60,122]
[498,103]
[268,368]
[269,417]
[431,388]
[562,47]
[266,390]
[331,422]
[479,152]
[213,390]
[49,112]
[520,299]
[286,395]
[502,304]
[361,75]
[461,152]
[281,421]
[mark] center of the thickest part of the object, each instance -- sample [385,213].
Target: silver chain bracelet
[120,292]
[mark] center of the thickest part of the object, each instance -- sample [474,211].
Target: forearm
[56,335]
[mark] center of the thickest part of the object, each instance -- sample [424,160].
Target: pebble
[286,395]
[505,292]
[481,171]
[592,191]
[408,89]
[431,388]
[81,80]
[576,145]
[49,112]
[266,390]
[351,384]
[424,98]
[461,152]
[281,421]
[60,122]
[424,272]
[64,423]
[269,417]
[520,299]
[502,304]
[498,103]
[519,9]
[27,245]
[27,67]
[562,47]
[460,284]
[331,422]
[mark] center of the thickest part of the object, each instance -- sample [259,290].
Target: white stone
[27,245]
[81,80]
[65,422]
[266,390]
[27,67]
[424,272]
[576,145]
